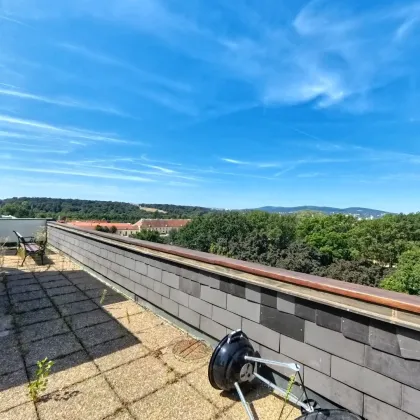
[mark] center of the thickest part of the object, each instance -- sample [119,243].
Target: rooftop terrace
[114,359]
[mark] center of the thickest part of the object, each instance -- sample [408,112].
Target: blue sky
[215,103]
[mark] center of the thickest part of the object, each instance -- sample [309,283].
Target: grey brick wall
[369,367]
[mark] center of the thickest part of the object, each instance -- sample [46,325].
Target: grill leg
[243,401]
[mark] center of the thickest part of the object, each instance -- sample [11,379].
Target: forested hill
[112,211]
[359,211]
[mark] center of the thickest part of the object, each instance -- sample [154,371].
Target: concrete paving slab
[92,399]
[139,378]
[178,401]
[13,390]
[117,352]
[96,334]
[161,336]
[21,412]
[87,319]
[120,309]
[43,330]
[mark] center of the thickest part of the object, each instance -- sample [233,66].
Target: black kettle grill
[234,362]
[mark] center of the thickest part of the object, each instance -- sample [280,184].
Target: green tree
[113,229]
[148,235]
[406,277]
[328,234]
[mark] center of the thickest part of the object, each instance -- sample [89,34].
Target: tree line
[382,252]
[73,209]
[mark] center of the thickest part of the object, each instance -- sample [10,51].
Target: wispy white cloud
[146,77]
[24,128]
[87,174]
[62,102]
[235,161]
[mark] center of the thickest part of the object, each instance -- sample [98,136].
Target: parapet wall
[359,347]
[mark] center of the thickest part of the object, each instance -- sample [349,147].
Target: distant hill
[356,211]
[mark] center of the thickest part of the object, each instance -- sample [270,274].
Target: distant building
[123,229]
[162,226]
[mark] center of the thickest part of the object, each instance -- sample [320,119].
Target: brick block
[178,296]
[355,327]
[125,272]
[244,308]
[366,380]
[189,316]
[284,323]
[411,400]
[214,296]
[409,341]
[135,276]
[286,303]
[305,309]
[383,336]
[120,260]
[278,357]
[190,287]
[329,318]
[253,293]
[335,391]
[154,273]
[154,298]
[261,334]
[232,287]
[306,354]
[200,306]
[209,279]
[377,410]
[140,290]
[170,279]
[212,328]
[170,306]
[189,273]
[334,342]
[130,263]
[140,267]
[226,318]
[161,288]
[397,368]
[269,297]
[147,282]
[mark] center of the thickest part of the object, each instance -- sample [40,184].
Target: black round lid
[228,359]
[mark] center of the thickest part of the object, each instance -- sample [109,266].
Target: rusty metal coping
[393,300]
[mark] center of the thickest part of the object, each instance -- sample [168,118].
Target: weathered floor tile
[152,375]
[24,289]
[6,322]
[120,309]
[87,319]
[25,296]
[31,305]
[43,330]
[69,298]
[71,369]
[77,307]
[41,315]
[91,336]
[265,404]
[52,347]
[13,390]
[160,336]
[117,352]
[184,365]
[141,322]
[57,283]
[10,359]
[92,399]
[56,291]
[178,401]
[21,412]
[121,415]
[199,381]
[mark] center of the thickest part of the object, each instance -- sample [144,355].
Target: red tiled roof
[89,224]
[161,223]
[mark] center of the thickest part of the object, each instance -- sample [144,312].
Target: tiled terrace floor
[113,359]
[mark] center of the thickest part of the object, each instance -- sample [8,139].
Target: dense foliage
[148,235]
[379,252]
[91,209]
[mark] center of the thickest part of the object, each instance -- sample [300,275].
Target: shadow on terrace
[113,359]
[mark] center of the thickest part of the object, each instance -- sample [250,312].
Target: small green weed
[128,315]
[103,296]
[39,384]
[288,392]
